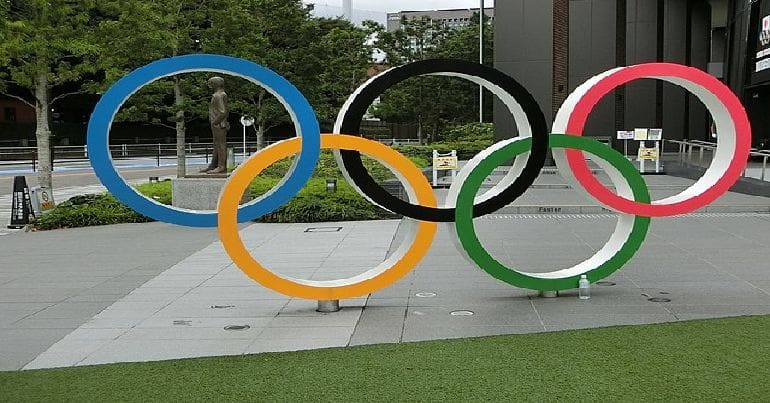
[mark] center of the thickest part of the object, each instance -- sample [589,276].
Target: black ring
[351,124]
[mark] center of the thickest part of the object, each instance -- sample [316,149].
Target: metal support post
[700,158]
[481,58]
[328,306]
[548,294]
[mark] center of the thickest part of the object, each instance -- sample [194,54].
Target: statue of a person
[218,115]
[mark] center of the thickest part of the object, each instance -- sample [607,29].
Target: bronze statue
[218,115]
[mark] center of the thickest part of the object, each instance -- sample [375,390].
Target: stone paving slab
[183,311]
[53,282]
[707,265]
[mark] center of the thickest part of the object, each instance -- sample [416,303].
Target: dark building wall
[743,29]
[593,50]
[524,40]
[672,30]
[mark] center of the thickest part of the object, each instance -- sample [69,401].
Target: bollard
[328,306]
[548,294]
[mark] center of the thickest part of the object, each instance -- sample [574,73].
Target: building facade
[747,62]
[551,47]
[454,18]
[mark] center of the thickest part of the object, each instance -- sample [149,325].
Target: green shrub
[465,149]
[89,211]
[327,167]
[312,204]
[315,204]
[471,132]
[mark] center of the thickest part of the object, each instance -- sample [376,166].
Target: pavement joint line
[714,267]
[549,312]
[540,318]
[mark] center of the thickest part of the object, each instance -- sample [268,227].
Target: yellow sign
[648,154]
[445,163]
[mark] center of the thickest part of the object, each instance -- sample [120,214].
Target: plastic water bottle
[585,288]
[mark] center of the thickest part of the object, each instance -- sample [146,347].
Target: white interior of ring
[280,99]
[618,238]
[462,176]
[723,156]
[522,124]
[411,228]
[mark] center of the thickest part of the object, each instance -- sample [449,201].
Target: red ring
[586,104]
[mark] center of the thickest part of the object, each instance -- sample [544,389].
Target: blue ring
[303,115]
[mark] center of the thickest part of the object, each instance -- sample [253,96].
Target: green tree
[50,53]
[432,103]
[143,31]
[326,59]
[276,34]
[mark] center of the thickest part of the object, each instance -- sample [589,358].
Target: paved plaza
[146,292]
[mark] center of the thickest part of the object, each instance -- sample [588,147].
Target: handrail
[686,148]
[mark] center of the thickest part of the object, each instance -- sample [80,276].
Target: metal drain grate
[461,313]
[324,229]
[237,327]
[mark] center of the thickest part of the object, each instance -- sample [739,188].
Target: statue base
[200,192]
[207,176]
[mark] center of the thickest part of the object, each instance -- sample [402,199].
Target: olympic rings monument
[528,152]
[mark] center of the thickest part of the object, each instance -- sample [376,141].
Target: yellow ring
[323,290]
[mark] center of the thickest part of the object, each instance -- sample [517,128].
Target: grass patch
[160,191]
[725,359]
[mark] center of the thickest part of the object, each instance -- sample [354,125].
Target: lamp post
[246,121]
[481,58]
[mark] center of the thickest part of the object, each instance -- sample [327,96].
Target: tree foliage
[326,59]
[50,53]
[51,49]
[434,103]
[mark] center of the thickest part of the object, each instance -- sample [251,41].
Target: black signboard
[760,65]
[21,210]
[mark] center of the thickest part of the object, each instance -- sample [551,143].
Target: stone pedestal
[199,192]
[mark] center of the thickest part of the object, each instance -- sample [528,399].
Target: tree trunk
[434,134]
[181,131]
[419,130]
[261,136]
[261,122]
[43,130]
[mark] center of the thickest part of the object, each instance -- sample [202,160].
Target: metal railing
[700,153]
[400,142]
[28,156]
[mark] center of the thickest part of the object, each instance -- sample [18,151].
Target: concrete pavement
[53,282]
[176,290]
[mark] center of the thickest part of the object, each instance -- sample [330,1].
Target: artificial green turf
[726,359]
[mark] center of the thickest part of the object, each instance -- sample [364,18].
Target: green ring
[466,232]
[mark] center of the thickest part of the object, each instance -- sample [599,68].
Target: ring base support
[548,294]
[328,306]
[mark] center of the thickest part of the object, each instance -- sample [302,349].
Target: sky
[401,5]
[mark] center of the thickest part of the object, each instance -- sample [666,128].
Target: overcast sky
[400,5]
